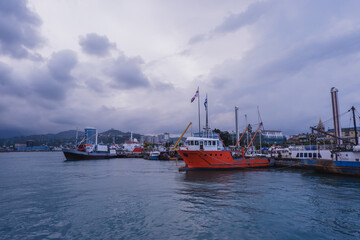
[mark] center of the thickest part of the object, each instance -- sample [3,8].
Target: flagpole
[199,109]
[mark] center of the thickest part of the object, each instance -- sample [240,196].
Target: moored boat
[208,153]
[345,158]
[73,155]
[343,162]
[154,155]
[89,149]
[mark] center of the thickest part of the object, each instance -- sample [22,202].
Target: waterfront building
[346,133]
[272,137]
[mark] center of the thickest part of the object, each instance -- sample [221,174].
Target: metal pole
[207,118]
[335,107]
[247,134]
[260,120]
[76,141]
[236,124]
[356,136]
[199,109]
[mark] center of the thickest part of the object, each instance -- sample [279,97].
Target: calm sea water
[43,197]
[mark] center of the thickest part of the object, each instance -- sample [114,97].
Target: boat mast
[76,139]
[236,124]
[199,108]
[247,134]
[356,136]
[96,137]
[207,117]
[259,120]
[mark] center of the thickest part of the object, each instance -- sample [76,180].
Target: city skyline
[135,65]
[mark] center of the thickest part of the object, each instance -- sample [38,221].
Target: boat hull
[219,160]
[331,166]
[153,157]
[74,155]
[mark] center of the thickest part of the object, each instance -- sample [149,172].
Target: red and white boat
[209,153]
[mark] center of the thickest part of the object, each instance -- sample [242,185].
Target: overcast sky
[135,65]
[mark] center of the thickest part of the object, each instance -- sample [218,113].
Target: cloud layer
[140,75]
[19,29]
[95,44]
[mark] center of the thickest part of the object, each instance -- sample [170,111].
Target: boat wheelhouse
[206,144]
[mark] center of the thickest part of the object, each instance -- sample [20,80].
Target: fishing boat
[89,149]
[100,152]
[209,153]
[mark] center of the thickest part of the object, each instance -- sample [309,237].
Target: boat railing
[310,147]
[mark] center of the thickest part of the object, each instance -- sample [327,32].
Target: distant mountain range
[66,137]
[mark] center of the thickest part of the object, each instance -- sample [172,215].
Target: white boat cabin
[206,144]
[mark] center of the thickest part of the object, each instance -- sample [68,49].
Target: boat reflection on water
[225,176]
[204,190]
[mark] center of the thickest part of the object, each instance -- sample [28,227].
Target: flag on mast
[196,95]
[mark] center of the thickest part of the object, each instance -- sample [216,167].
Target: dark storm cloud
[18,29]
[94,44]
[126,73]
[61,64]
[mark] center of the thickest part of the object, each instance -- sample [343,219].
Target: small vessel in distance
[154,155]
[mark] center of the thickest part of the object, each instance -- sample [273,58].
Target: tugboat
[89,149]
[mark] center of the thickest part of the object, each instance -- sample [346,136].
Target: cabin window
[209,143]
[191,142]
[314,155]
[214,143]
[201,143]
[310,155]
[196,142]
[297,155]
[301,154]
[205,143]
[305,155]
[319,155]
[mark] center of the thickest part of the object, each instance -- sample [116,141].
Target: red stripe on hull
[219,160]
